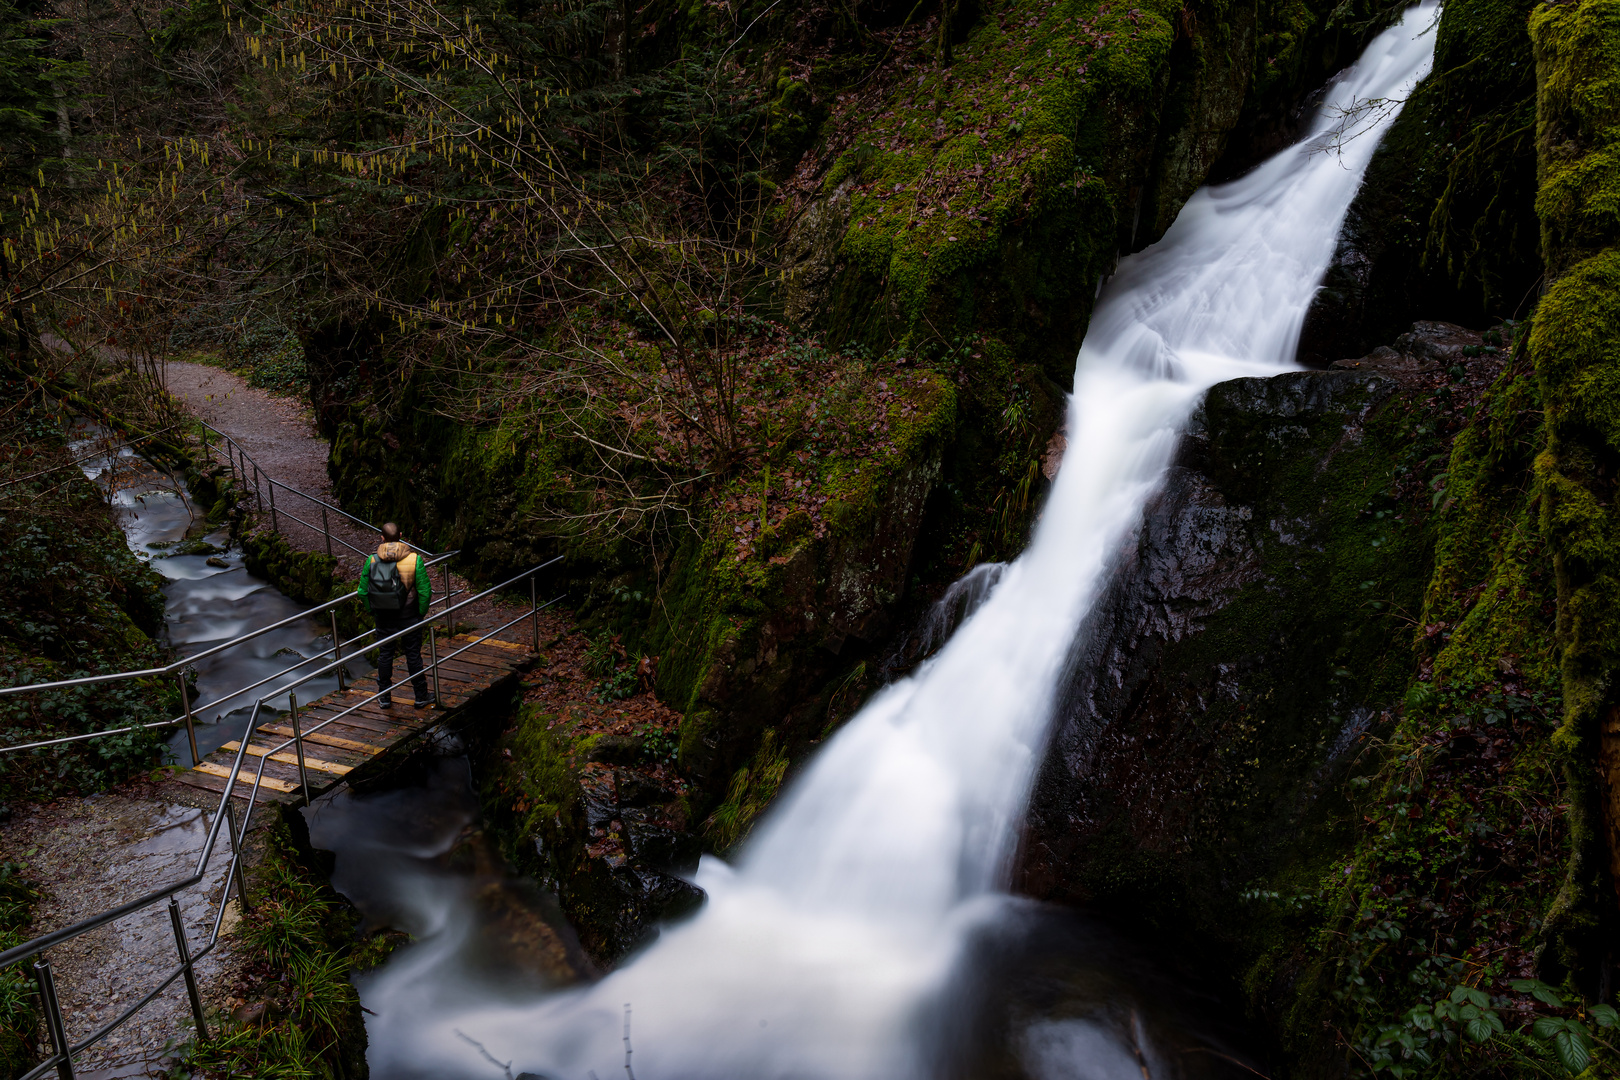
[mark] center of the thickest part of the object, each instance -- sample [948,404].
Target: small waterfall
[823,952]
[962,598]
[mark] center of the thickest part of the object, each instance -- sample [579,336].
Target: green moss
[751,790]
[1578,128]
[547,778]
[978,196]
[307,576]
[19,1013]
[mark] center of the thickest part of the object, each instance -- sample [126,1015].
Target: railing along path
[475,663]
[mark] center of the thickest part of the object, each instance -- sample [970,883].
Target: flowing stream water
[209,598]
[837,944]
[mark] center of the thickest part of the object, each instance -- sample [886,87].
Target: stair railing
[245,470]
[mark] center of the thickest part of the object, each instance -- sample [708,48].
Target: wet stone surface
[89,855]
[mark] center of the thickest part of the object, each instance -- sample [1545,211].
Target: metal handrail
[63,1052]
[272,483]
[179,666]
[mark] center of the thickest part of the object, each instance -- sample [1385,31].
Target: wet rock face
[1239,654]
[628,877]
[1418,354]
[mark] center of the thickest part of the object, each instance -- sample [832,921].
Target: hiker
[394,587]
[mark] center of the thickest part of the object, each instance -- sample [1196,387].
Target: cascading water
[825,952]
[209,598]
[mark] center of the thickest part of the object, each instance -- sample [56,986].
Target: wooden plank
[341,729]
[371,717]
[390,721]
[191,778]
[464,638]
[477,658]
[245,777]
[468,667]
[486,657]
[322,739]
[290,757]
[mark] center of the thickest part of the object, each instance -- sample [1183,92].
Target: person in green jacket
[394,588]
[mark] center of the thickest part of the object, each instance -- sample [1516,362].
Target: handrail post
[185,965]
[191,730]
[53,1019]
[433,654]
[298,743]
[236,857]
[257,493]
[337,648]
[326,529]
[534,614]
[275,522]
[451,630]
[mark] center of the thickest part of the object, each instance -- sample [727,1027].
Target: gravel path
[89,855]
[279,434]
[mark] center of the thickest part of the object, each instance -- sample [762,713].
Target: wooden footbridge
[348,731]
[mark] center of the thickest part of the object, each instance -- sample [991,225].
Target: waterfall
[822,951]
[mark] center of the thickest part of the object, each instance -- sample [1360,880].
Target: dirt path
[89,855]
[279,434]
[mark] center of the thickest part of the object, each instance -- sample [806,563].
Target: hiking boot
[385,703]
[424,703]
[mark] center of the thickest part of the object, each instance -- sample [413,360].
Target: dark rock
[1394,365]
[1246,643]
[1420,354]
[637,789]
[617,749]
[1438,341]
[619,876]
[660,849]
[190,547]
[1444,223]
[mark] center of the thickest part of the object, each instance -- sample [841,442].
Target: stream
[209,597]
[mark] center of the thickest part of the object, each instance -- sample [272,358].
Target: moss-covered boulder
[600,820]
[1444,226]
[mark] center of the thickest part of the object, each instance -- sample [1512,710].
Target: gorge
[1085,530]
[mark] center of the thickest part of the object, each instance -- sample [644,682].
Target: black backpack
[385,589]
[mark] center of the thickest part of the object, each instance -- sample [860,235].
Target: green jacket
[411,572]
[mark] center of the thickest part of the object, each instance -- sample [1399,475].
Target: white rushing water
[820,954]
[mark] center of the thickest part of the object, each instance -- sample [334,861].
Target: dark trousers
[410,645]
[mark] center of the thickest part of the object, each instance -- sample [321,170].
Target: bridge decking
[358,739]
